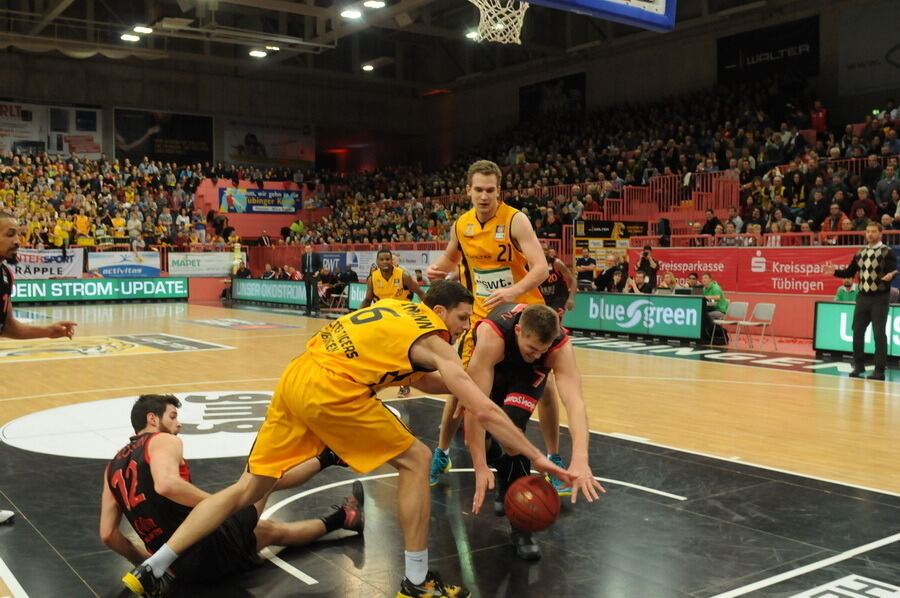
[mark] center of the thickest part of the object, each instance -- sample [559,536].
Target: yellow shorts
[466,346]
[313,408]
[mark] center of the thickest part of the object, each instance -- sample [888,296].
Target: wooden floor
[815,425]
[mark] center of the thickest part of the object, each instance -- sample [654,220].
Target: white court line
[849,554]
[718,457]
[749,382]
[291,570]
[90,390]
[11,582]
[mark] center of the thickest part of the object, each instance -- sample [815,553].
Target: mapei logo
[758,262]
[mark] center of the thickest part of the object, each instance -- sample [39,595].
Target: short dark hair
[485,167]
[540,321]
[155,404]
[447,293]
[875,224]
[694,274]
[648,248]
[384,250]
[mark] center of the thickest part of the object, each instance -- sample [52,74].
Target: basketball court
[724,478]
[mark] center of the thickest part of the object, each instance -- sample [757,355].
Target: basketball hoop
[501,20]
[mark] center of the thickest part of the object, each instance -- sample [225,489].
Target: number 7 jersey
[490,258]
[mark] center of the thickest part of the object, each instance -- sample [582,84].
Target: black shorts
[517,391]
[230,549]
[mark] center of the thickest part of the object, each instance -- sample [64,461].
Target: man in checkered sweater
[876,265]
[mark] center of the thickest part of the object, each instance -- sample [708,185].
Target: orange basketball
[531,504]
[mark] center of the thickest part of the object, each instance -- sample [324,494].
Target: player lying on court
[149,482]
[516,347]
[327,397]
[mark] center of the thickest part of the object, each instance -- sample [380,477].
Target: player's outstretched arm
[433,352]
[13,328]
[110,534]
[568,382]
[488,353]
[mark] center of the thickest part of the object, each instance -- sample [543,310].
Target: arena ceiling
[415,43]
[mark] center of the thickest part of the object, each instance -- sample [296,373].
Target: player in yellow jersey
[501,261]
[389,281]
[327,396]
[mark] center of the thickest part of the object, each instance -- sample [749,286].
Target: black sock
[333,521]
[327,458]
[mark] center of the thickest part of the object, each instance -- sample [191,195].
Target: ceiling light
[373,4]
[257,54]
[368,68]
[499,25]
[351,13]
[130,37]
[273,48]
[472,35]
[142,29]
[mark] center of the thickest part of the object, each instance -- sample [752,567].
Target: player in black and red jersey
[10,238]
[559,289]
[149,482]
[516,347]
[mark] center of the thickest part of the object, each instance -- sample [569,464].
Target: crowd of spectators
[752,129]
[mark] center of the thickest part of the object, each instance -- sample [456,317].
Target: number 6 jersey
[371,346]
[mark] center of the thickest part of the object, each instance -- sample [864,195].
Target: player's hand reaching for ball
[583,481]
[484,481]
[61,329]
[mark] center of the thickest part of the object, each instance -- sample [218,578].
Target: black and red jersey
[503,320]
[554,290]
[153,516]
[6,289]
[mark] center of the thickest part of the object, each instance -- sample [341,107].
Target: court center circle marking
[272,556]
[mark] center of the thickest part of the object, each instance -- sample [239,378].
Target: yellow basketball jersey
[490,258]
[371,346]
[389,288]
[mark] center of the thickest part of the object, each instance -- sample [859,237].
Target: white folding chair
[737,312]
[762,316]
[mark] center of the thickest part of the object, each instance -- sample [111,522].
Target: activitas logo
[640,311]
[758,262]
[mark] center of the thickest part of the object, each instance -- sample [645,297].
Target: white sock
[446,451]
[161,560]
[417,566]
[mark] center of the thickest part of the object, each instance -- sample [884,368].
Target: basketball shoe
[561,487]
[354,514]
[440,463]
[432,587]
[142,582]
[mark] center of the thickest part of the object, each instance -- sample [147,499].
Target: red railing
[889,237]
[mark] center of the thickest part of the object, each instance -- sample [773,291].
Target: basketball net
[501,20]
